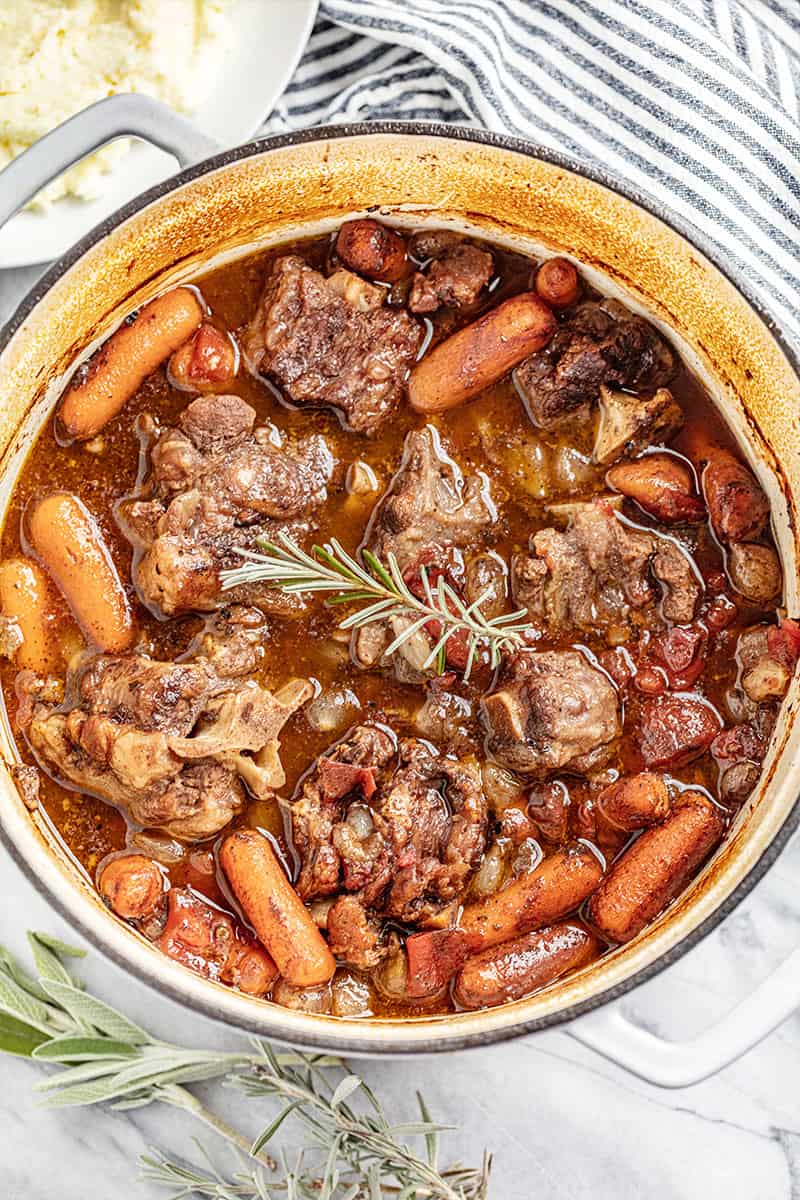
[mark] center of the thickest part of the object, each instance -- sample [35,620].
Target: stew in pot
[390,623]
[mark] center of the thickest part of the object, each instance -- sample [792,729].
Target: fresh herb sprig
[383,593]
[355,1152]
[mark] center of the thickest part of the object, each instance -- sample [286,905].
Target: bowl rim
[439,1040]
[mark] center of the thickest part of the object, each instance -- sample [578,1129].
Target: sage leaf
[91,1011]
[48,965]
[19,1003]
[57,946]
[18,1038]
[70,1048]
[25,981]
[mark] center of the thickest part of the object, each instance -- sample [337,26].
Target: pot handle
[115,117]
[680,1064]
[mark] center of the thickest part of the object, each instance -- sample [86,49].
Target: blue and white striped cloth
[694,102]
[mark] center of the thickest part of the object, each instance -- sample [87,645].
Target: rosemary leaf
[377,568]
[381,591]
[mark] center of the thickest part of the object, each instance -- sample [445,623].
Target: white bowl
[269,37]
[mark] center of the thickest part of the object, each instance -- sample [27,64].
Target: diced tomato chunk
[618,664]
[212,356]
[457,646]
[338,779]
[737,743]
[720,613]
[649,681]
[675,729]
[681,651]
[784,642]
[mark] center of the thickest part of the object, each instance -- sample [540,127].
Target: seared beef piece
[630,423]
[602,343]
[353,935]
[429,503]
[596,571]
[429,512]
[551,710]
[320,810]
[170,741]
[680,582]
[435,818]
[412,851]
[323,350]
[216,485]
[457,273]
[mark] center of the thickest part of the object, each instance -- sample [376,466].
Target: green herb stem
[383,593]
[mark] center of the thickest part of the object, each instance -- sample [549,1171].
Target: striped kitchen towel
[693,102]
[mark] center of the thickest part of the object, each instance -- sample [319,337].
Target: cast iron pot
[534,201]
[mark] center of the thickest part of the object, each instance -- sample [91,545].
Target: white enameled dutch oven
[534,201]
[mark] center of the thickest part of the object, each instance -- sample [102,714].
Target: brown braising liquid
[527,469]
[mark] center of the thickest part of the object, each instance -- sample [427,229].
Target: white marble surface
[564,1124]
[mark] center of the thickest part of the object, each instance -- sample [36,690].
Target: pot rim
[438,1040]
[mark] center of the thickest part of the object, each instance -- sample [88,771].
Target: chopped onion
[527,857]
[391,977]
[490,873]
[360,479]
[333,708]
[503,790]
[571,467]
[351,996]
[312,999]
[319,911]
[163,849]
[442,717]
[359,818]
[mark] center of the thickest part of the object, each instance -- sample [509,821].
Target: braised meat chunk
[430,503]
[409,851]
[216,484]
[456,273]
[435,815]
[602,343]
[174,743]
[551,710]
[600,570]
[325,351]
[351,769]
[430,512]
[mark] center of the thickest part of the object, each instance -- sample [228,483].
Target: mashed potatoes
[57,57]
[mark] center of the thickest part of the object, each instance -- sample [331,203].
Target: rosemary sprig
[383,593]
[355,1152]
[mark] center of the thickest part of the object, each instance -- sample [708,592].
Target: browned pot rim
[691,234]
